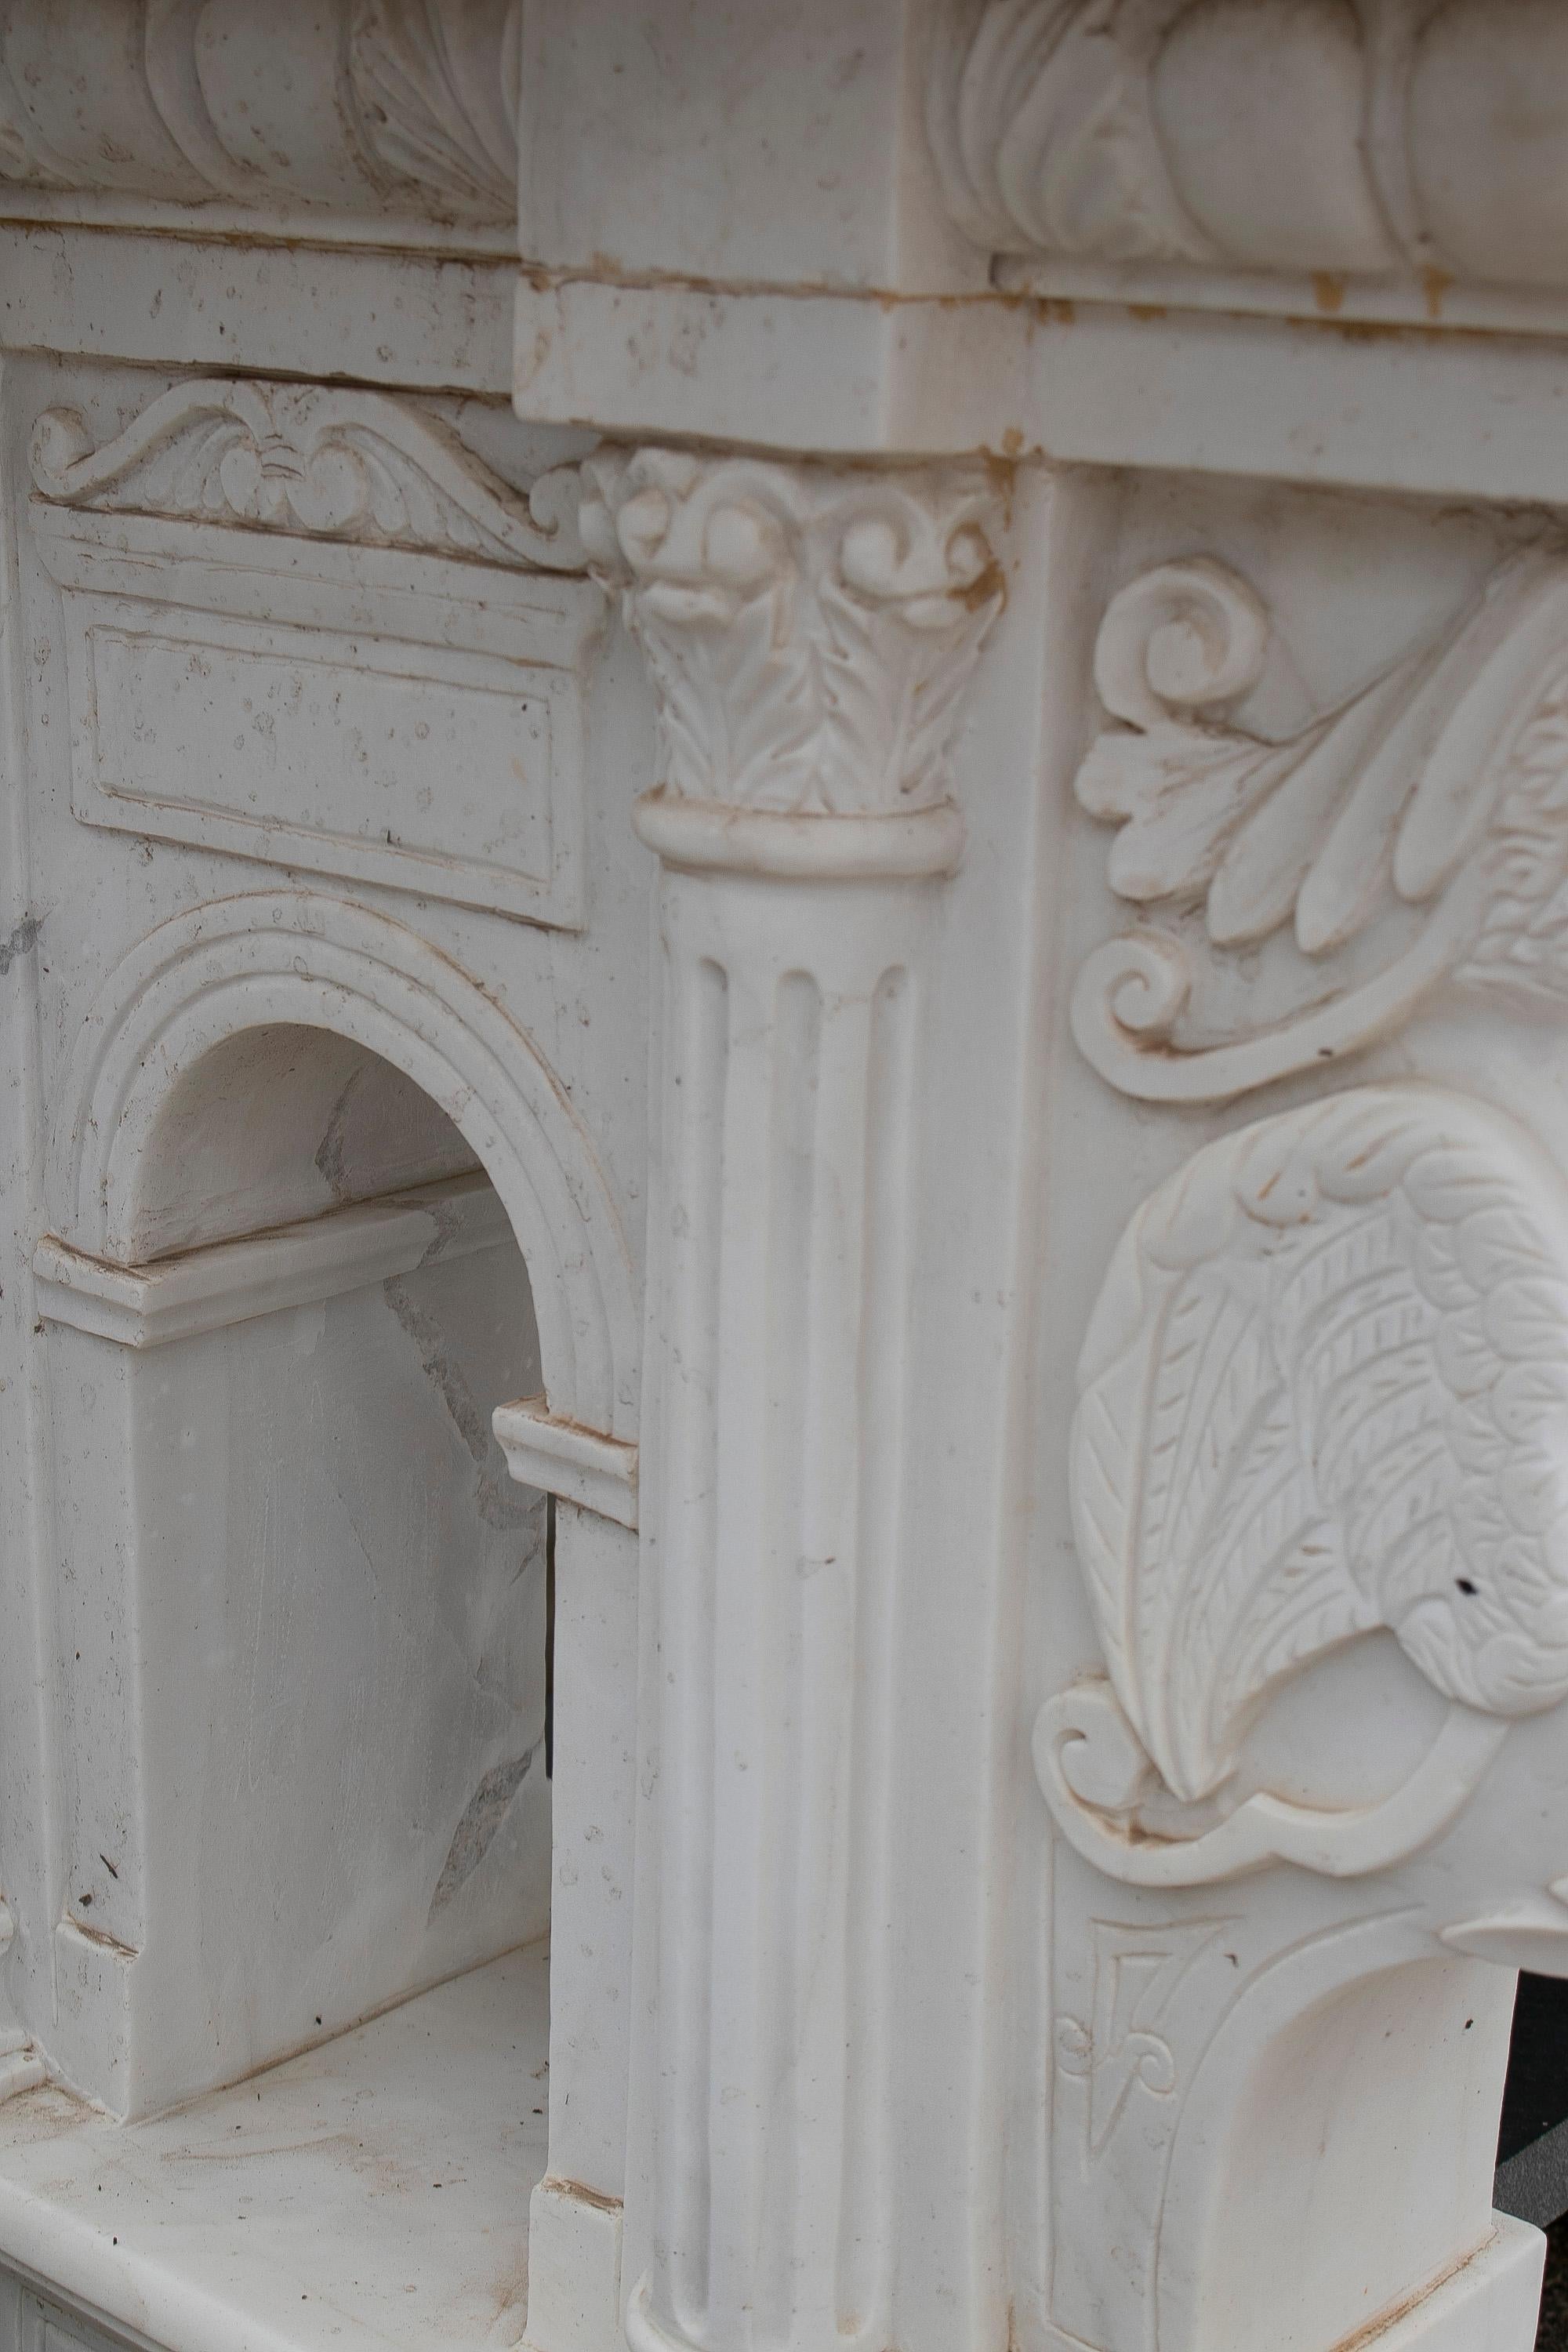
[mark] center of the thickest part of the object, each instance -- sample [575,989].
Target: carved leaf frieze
[809,633]
[1324,1391]
[356,465]
[421,122]
[1294,136]
[1416,832]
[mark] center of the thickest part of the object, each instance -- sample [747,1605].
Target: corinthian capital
[809,631]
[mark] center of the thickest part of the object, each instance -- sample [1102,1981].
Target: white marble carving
[1434,795]
[1273,137]
[1322,1392]
[809,634]
[1320,1405]
[373,107]
[204,645]
[724,732]
[342,464]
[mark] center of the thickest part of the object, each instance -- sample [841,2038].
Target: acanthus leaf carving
[1324,1391]
[1428,809]
[809,633]
[346,464]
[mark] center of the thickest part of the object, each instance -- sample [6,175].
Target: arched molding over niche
[298,956]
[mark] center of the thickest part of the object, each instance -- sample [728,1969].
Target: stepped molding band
[561,1457]
[264,1274]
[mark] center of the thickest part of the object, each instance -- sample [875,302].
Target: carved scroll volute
[1325,1390]
[1414,834]
[308,458]
[808,633]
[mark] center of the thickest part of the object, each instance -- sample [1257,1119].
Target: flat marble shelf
[371,2191]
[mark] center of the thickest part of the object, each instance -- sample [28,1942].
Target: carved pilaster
[809,633]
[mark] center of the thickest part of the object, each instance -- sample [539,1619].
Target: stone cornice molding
[1372,144]
[317,460]
[1417,832]
[1322,1392]
[809,633]
[411,113]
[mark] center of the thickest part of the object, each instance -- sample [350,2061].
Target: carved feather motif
[1430,809]
[1326,1389]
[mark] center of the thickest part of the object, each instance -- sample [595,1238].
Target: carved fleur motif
[1116,2051]
[1418,830]
[809,633]
[1324,1391]
[345,464]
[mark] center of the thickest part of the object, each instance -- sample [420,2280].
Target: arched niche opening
[276,1124]
[306,1603]
[283,1112]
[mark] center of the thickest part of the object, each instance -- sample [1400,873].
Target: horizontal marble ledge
[263,1274]
[366,2196]
[561,1457]
[1303,400]
[290,309]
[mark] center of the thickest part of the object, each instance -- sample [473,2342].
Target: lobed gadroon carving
[1324,1391]
[1355,144]
[809,633]
[345,464]
[205,106]
[1416,833]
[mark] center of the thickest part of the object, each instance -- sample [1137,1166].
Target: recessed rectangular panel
[430,739]
[288,753]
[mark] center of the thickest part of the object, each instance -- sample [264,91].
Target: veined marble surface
[368,2192]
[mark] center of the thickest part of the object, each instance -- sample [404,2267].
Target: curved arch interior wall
[784,1207]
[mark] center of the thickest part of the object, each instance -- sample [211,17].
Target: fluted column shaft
[809,633]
